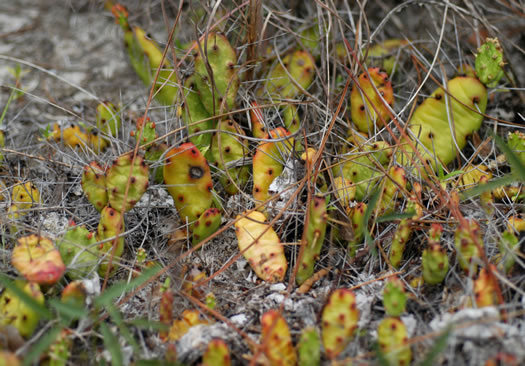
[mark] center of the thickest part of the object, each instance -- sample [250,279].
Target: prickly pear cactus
[485,288]
[314,238]
[287,79]
[384,54]
[509,248]
[434,259]
[25,195]
[309,348]
[78,249]
[166,311]
[291,118]
[395,183]
[193,111]
[37,259]
[489,62]
[94,185]
[339,321]
[217,354]
[344,191]
[431,124]
[228,147]
[394,297]
[268,163]
[125,169]
[465,239]
[276,336]
[218,90]
[257,121]
[188,179]
[15,312]
[108,118]
[206,225]
[74,137]
[401,237]
[110,225]
[365,100]
[356,215]
[516,141]
[261,246]
[74,294]
[60,350]
[148,130]
[392,339]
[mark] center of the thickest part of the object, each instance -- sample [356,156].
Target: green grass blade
[68,312]
[518,169]
[41,346]
[143,323]
[489,186]
[112,345]
[124,331]
[437,348]
[396,216]
[41,310]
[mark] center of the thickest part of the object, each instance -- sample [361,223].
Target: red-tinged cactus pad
[220,56]
[435,264]
[14,311]
[206,225]
[217,354]
[275,335]
[434,120]
[78,249]
[37,259]
[394,297]
[111,224]
[356,215]
[193,111]
[261,247]
[309,347]
[126,169]
[393,341]
[74,294]
[268,162]
[466,239]
[257,121]
[188,319]
[108,118]
[365,100]
[485,288]
[287,79]
[228,147]
[147,127]
[315,229]
[25,195]
[188,180]
[395,183]
[339,321]
[94,185]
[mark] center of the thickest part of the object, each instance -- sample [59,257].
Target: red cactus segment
[126,169]
[94,185]
[257,120]
[365,98]
[485,288]
[268,162]
[264,252]
[37,259]
[276,337]
[339,321]
[217,354]
[188,179]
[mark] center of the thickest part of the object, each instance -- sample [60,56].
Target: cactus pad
[206,225]
[15,312]
[94,185]
[77,249]
[276,337]
[394,297]
[217,354]
[392,338]
[489,62]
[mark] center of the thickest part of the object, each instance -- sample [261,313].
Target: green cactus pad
[434,259]
[339,321]
[364,100]
[466,248]
[217,354]
[489,62]
[393,341]
[401,236]
[291,118]
[125,169]
[94,185]
[194,111]
[287,80]
[15,312]
[394,297]
[148,131]
[206,225]
[431,124]
[77,250]
[110,225]
[509,248]
[228,147]
[188,179]
[108,118]
[221,57]
[276,336]
[309,348]
[516,141]
[315,232]
[356,215]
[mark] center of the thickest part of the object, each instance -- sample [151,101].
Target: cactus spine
[314,237]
